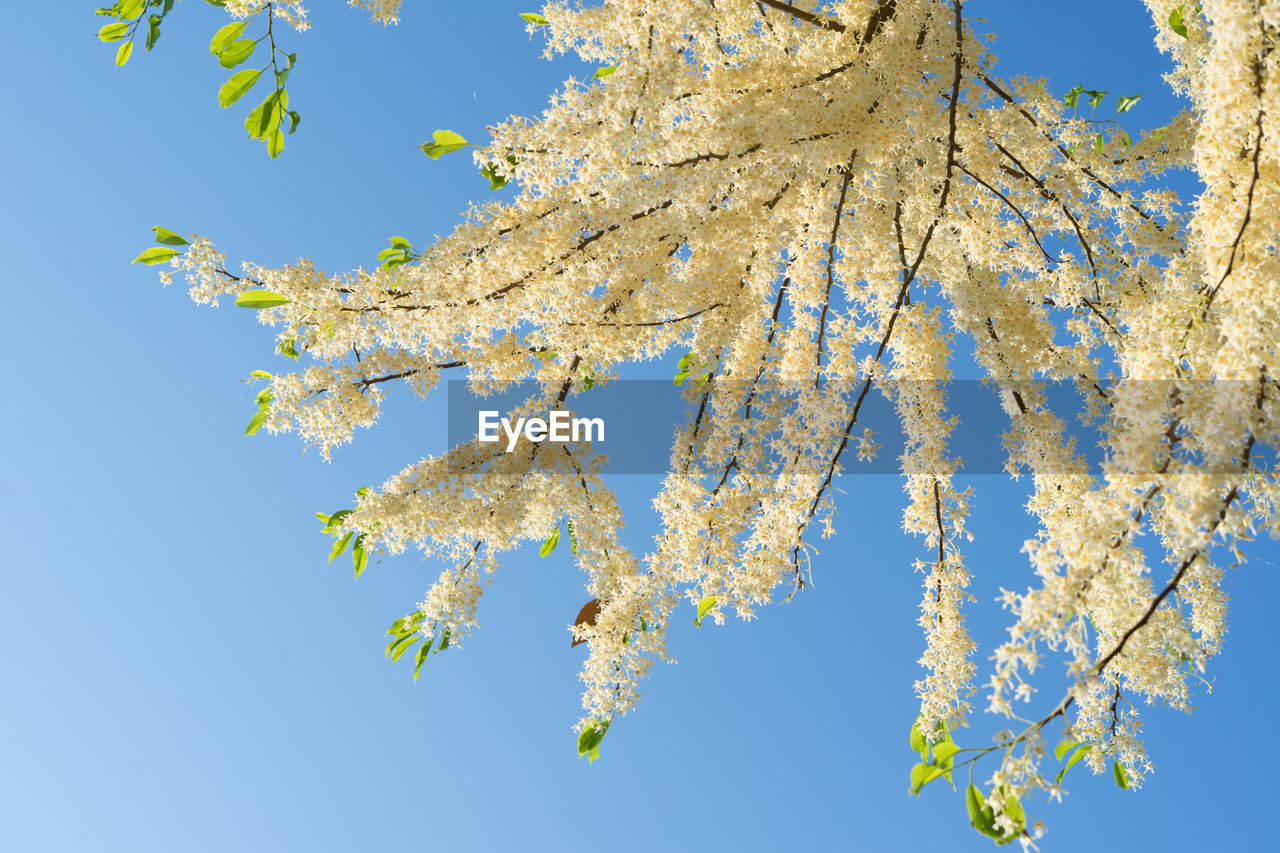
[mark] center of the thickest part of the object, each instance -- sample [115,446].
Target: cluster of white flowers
[815,204]
[289,11]
[294,14]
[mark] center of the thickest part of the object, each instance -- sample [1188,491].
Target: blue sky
[184,673]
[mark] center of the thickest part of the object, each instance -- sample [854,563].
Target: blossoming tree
[816,201]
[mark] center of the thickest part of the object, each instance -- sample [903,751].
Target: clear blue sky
[182,673]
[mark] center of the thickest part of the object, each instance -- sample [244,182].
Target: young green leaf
[534,18]
[550,544]
[606,71]
[404,646]
[275,143]
[287,348]
[705,606]
[154,256]
[237,85]
[1099,143]
[982,816]
[1176,23]
[918,742]
[236,52]
[256,423]
[255,298]
[226,35]
[423,651]
[445,142]
[260,374]
[153,31]
[340,546]
[1071,762]
[167,237]
[1120,774]
[943,751]
[496,180]
[1127,103]
[922,774]
[113,32]
[589,739]
[266,117]
[1095,98]
[359,556]
[1065,747]
[123,52]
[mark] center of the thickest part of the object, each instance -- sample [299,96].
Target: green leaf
[922,774]
[444,640]
[550,544]
[490,171]
[400,243]
[259,298]
[154,256]
[256,423]
[1176,23]
[705,606]
[123,52]
[113,32]
[446,142]
[403,647]
[1071,762]
[573,537]
[534,18]
[1120,774]
[275,144]
[294,118]
[982,816]
[606,71]
[226,35]
[287,349]
[359,556]
[1095,98]
[340,546]
[153,31]
[918,742]
[1127,103]
[423,651]
[943,750]
[237,85]
[1073,97]
[332,521]
[1065,747]
[589,739]
[267,115]
[1098,143]
[130,9]
[167,237]
[260,374]
[236,52]
[264,397]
